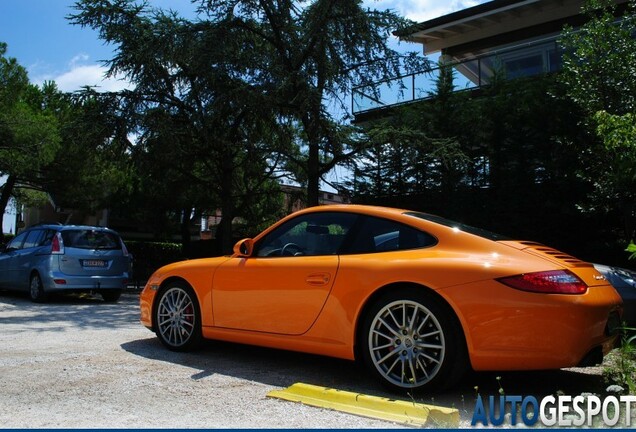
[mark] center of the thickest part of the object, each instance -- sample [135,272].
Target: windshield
[90,239]
[465,228]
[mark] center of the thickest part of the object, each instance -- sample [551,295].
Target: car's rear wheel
[178,318]
[36,289]
[411,342]
[111,296]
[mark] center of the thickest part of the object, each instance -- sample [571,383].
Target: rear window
[460,226]
[90,239]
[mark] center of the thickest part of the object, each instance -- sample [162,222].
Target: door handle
[318,279]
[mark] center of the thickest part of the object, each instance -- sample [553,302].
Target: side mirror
[244,248]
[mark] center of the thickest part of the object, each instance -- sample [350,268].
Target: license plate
[94,263]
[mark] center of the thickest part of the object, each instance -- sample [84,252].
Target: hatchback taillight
[548,282]
[57,244]
[124,249]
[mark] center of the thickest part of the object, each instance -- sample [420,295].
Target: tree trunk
[313,176]
[186,239]
[224,230]
[313,161]
[7,191]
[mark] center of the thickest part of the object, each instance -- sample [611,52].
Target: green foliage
[599,72]
[503,160]
[599,63]
[31,198]
[632,249]
[618,131]
[208,133]
[621,366]
[417,149]
[29,137]
[149,256]
[310,53]
[231,100]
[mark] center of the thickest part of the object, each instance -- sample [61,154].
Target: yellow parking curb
[409,413]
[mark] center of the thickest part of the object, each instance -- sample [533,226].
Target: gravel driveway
[80,363]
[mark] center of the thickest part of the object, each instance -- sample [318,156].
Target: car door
[283,286]
[8,261]
[25,259]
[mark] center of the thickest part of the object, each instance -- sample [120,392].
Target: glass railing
[532,58]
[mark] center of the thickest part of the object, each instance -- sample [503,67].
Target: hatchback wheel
[177,318]
[36,289]
[410,341]
[111,296]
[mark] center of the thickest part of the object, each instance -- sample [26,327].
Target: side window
[382,235]
[17,241]
[307,235]
[47,237]
[33,239]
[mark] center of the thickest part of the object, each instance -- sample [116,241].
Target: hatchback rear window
[91,239]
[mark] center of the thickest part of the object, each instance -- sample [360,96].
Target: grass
[621,363]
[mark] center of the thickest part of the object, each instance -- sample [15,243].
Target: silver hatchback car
[52,258]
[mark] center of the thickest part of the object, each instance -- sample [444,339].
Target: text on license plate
[94,263]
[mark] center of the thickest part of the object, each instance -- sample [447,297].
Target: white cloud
[422,10]
[79,72]
[89,75]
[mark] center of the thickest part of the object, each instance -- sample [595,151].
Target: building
[512,38]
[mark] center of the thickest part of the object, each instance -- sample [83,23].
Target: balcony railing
[532,58]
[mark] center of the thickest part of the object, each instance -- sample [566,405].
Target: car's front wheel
[411,341]
[36,289]
[178,318]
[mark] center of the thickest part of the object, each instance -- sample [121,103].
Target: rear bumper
[63,282]
[565,330]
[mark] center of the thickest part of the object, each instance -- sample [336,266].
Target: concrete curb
[398,411]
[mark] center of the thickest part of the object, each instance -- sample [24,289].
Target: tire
[413,342]
[36,289]
[111,296]
[178,317]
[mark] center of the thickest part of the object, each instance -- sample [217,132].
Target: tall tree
[202,118]
[29,136]
[93,161]
[315,50]
[599,71]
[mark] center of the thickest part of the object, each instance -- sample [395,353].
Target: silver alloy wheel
[176,318]
[406,343]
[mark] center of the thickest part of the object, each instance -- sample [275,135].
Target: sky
[42,39]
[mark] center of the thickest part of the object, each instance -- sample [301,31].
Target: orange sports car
[418,298]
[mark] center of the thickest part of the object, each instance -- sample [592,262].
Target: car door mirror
[244,248]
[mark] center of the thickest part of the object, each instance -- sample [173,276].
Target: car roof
[58,227]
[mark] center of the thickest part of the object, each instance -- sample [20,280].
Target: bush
[149,256]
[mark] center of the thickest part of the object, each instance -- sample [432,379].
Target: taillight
[57,244]
[124,249]
[548,282]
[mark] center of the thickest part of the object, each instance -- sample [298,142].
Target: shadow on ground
[275,367]
[283,368]
[66,311]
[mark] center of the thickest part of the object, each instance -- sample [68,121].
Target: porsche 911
[417,298]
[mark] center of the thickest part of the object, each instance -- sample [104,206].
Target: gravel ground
[80,363]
